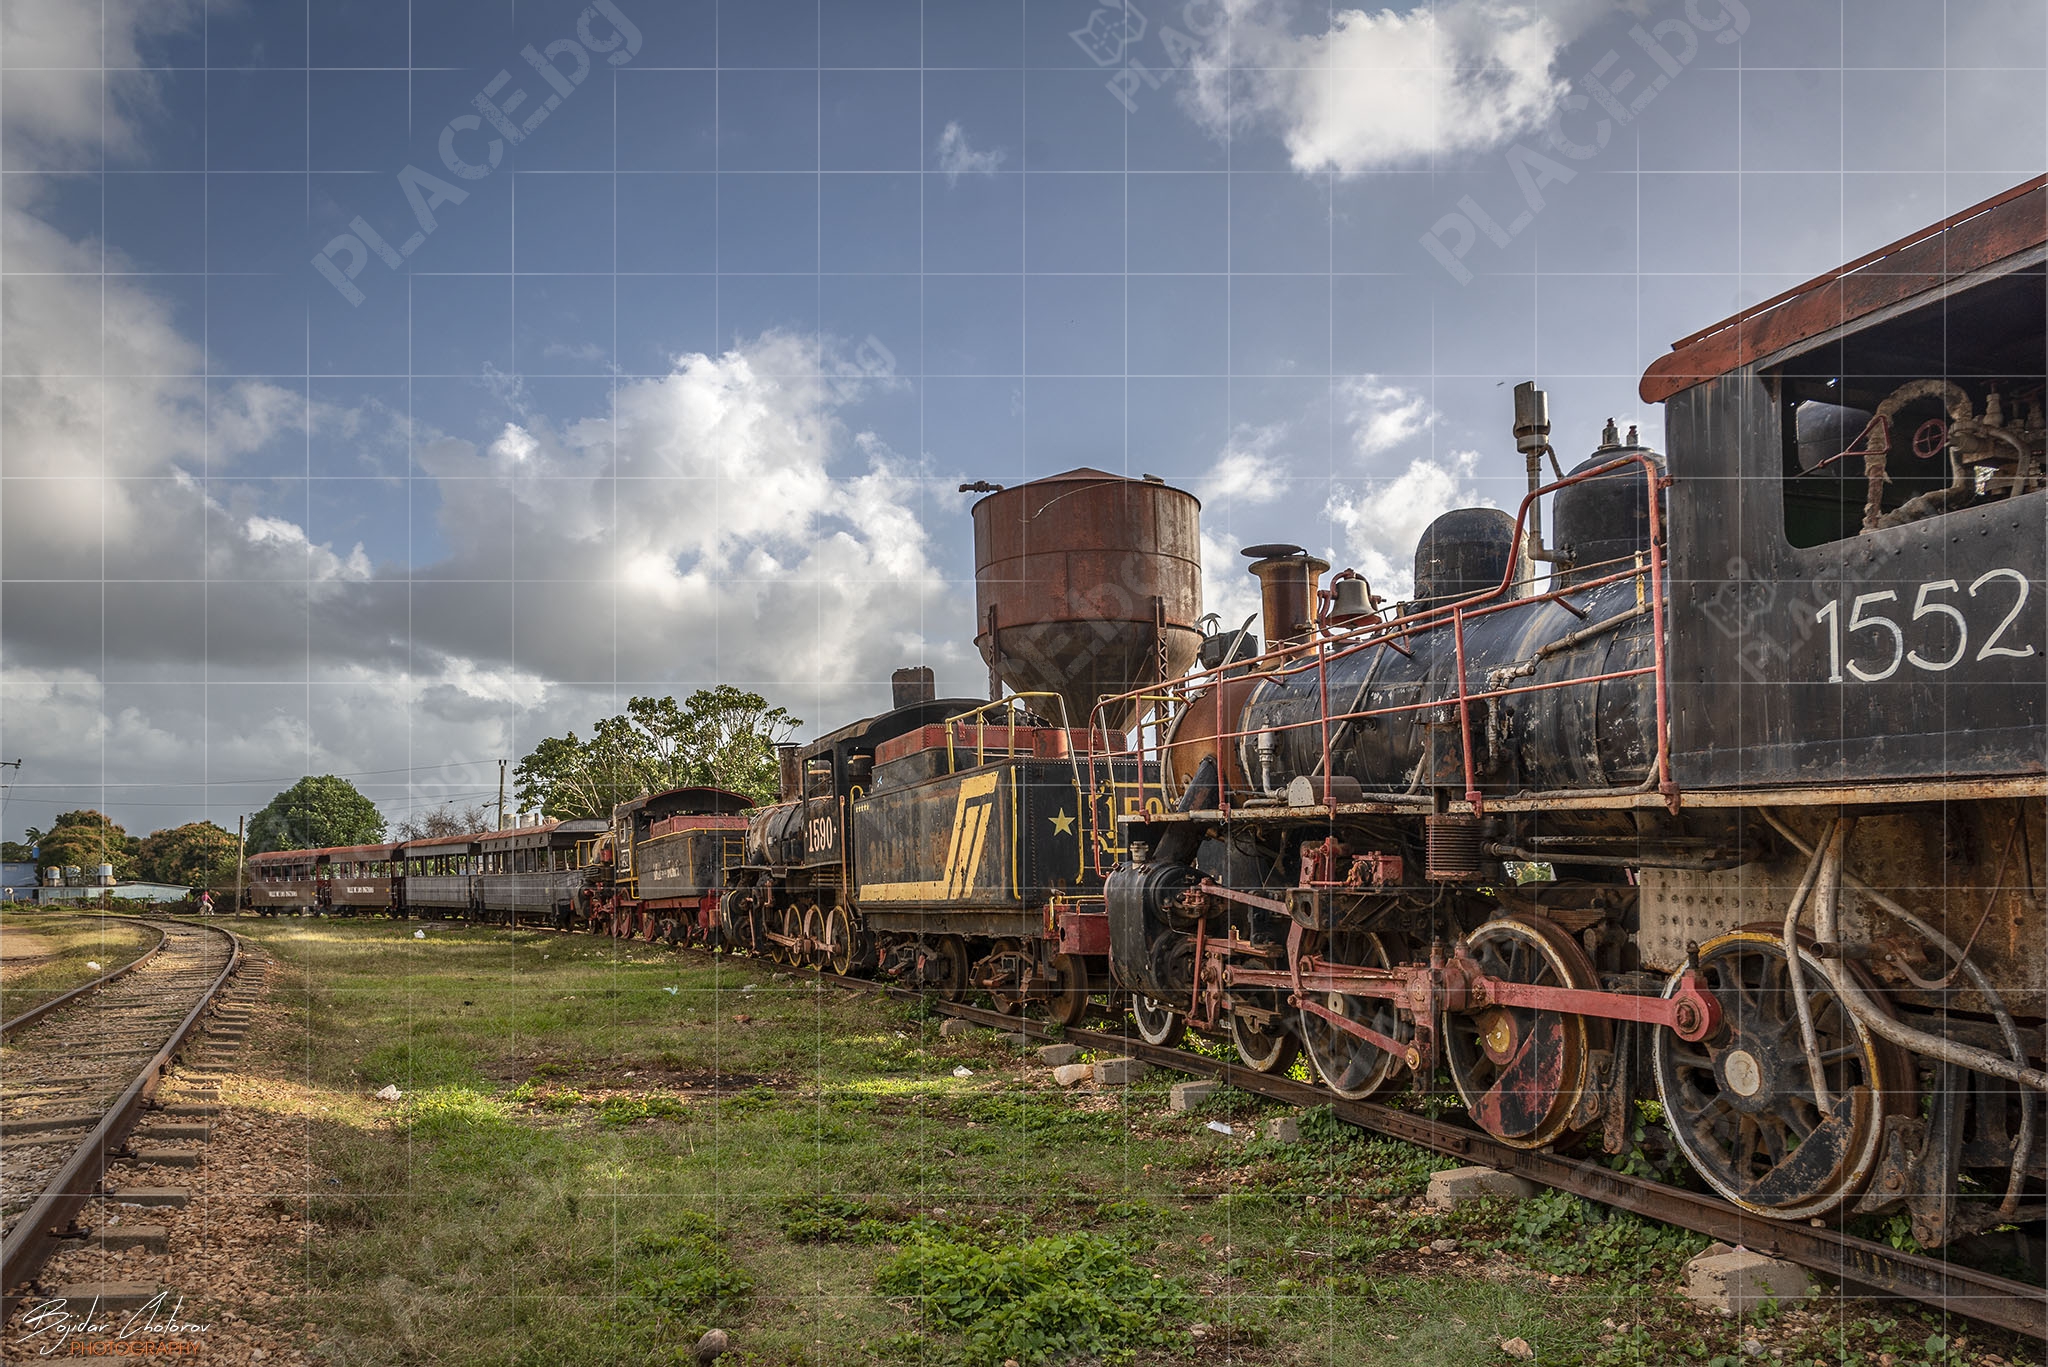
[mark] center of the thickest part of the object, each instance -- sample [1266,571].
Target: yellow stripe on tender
[963,855]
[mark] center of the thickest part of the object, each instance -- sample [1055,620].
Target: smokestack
[789,778]
[1288,578]
[912,685]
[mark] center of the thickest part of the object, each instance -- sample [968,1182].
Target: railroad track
[77,1073]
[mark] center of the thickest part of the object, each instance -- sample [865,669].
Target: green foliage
[685,1276]
[624,1110]
[14,852]
[316,812]
[841,1219]
[196,854]
[86,839]
[452,1113]
[1044,1301]
[1560,1233]
[418,1062]
[724,737]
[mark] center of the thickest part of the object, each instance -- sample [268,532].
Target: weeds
[1560,1233]
[624,1110]
[1048,1300]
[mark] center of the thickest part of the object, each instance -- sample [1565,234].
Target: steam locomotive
[1729,790]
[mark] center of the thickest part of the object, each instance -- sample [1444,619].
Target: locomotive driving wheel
[844,952]
[1349,1066]
[815,951]
[1157,1023]
[1522,1071]
[792,929]
[1264,1046]
[1741,1104]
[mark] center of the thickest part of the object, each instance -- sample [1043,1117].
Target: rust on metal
[1979,236]
[1067,570]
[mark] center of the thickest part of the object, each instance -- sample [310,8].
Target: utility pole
[240,847]
[501,795]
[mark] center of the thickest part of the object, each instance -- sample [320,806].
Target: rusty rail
[36,1013]
[29,1243]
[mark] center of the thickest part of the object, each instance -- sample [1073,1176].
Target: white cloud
[1382,519]
[56,116]
[957,158]
[1251,469]
[1385,89]
[1382,416]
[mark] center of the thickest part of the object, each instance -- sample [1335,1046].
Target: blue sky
[679,390]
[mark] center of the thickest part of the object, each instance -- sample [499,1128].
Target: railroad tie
[174,1131]
[109,1295]
[174,1197]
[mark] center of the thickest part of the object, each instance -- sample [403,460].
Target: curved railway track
[77,1073]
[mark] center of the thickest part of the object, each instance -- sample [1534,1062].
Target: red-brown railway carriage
[358,879]
[281,881]
[659,870]
[1767,725]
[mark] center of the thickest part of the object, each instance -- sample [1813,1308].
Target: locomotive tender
[1728,791]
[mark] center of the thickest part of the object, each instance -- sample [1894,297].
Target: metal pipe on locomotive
[1601,822]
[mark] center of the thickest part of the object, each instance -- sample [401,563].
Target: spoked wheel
[1741,1105]
[1268,1048]
[793,928]
[1157,1024]
[736,922]
[842,942]
[1521,1071]
[943,965]
[815,951]
[1066,1001]
[1349,1066]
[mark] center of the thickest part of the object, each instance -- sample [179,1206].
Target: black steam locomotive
[1728,793]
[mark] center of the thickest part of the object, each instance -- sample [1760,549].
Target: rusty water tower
[1087,584]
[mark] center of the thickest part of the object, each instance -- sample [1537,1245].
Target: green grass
[586,1167]
[44,954]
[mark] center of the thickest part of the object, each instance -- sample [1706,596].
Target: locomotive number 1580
[1866,614]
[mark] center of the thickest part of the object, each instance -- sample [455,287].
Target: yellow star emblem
[1062,823]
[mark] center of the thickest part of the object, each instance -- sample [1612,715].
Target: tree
[442,822]
[14,852]
[314,813]
[85,839]
[567,778]
[733,735]
[723,736]
[194,855]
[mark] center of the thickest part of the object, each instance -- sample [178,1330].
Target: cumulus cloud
[1381,415]
[56,117]
[958,158]
[723,522]
[1251,469]
[1383,89]
[1382,519]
